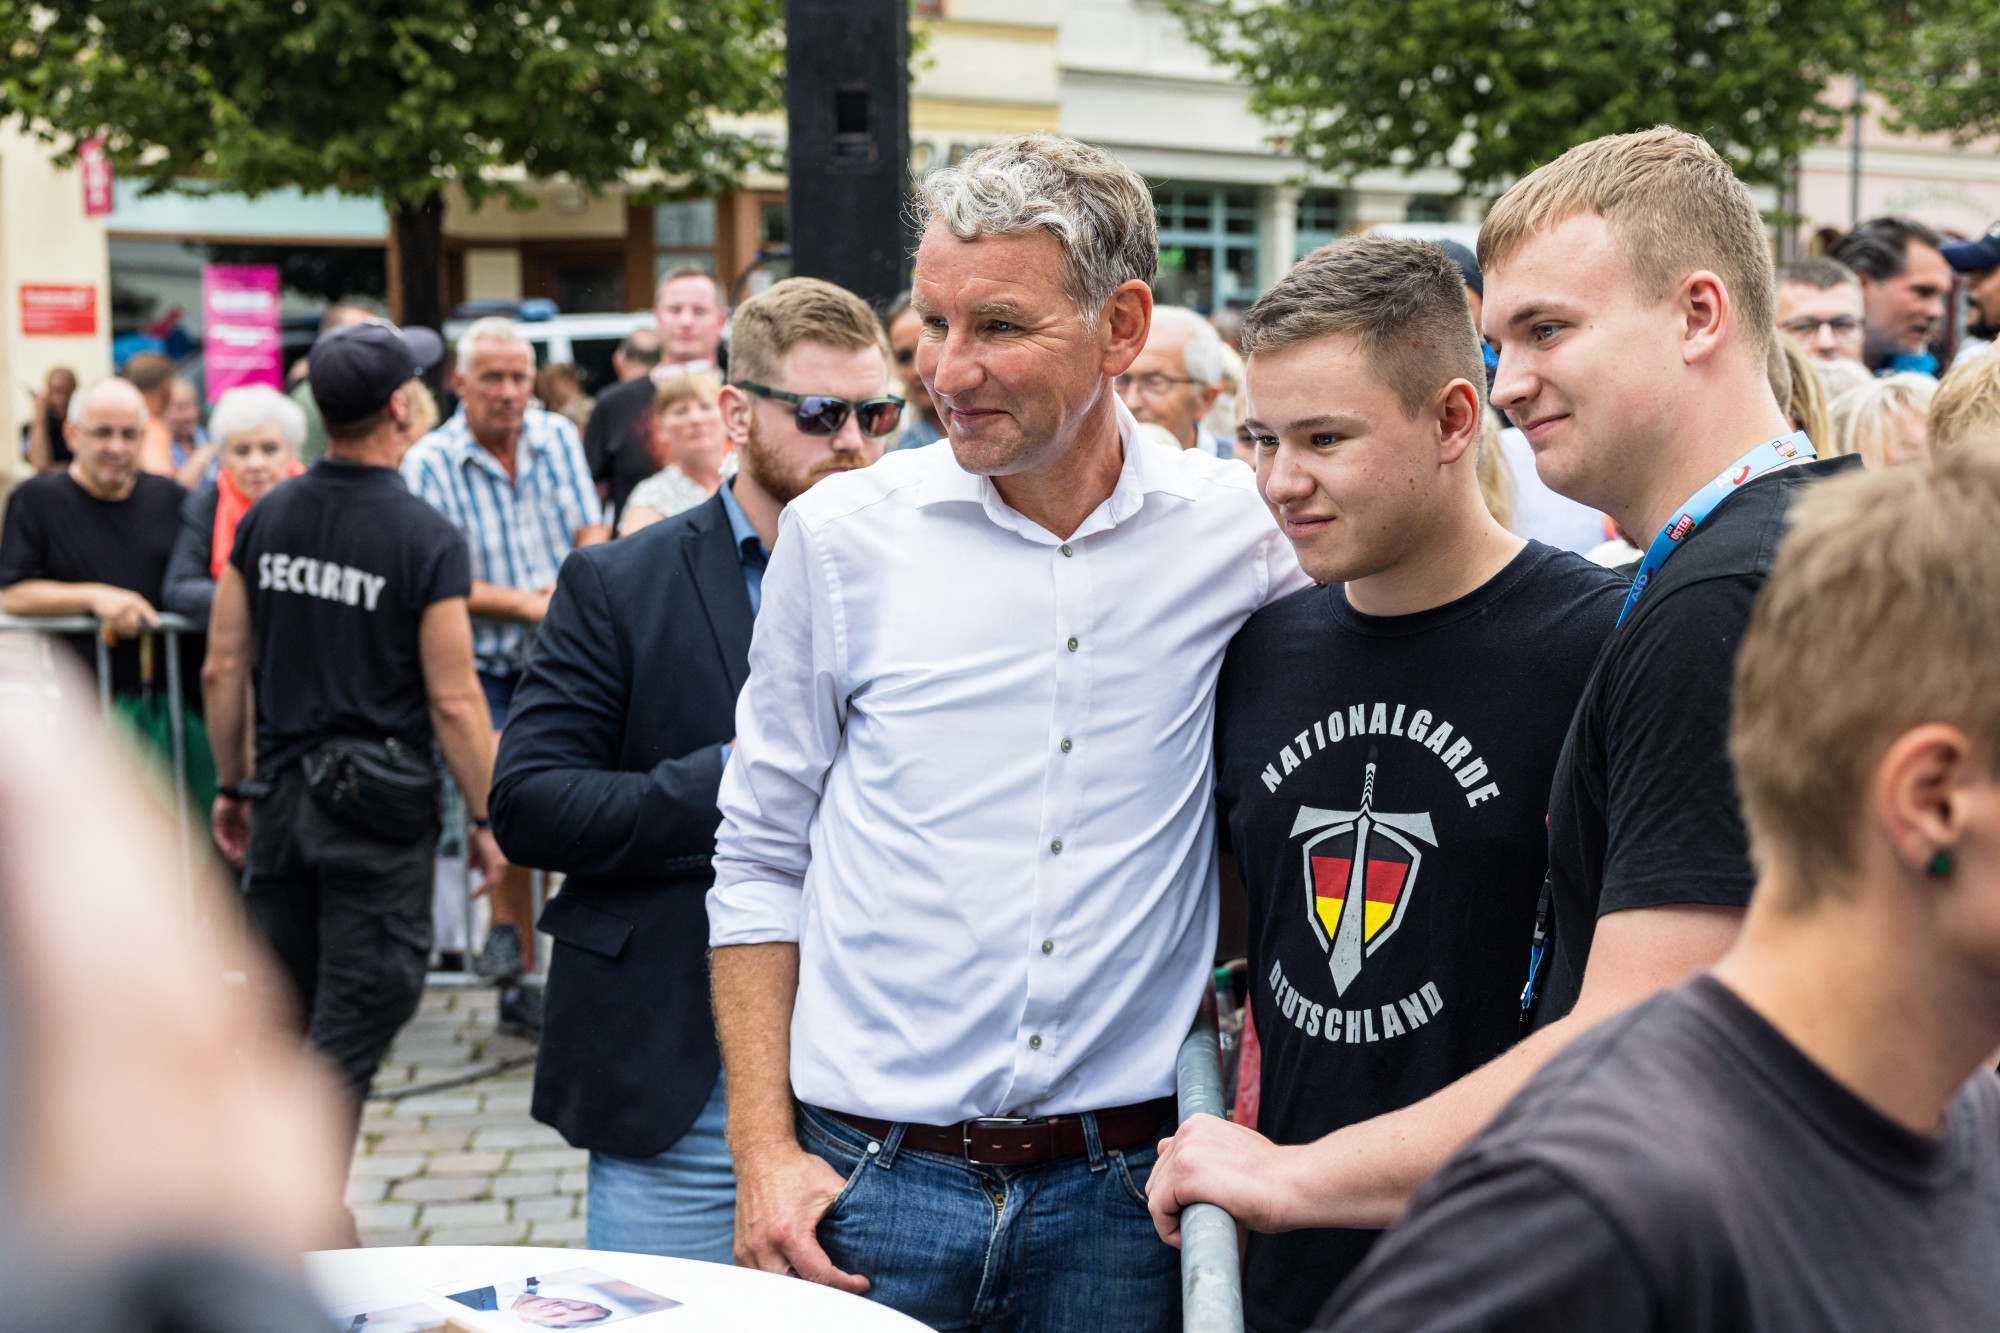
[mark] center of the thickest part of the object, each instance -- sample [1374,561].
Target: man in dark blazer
[608,773]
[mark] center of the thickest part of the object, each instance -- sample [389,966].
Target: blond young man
[1805,1136]
[1384,741]
[1628,289]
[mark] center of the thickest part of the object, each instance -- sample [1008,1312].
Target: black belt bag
[382,788]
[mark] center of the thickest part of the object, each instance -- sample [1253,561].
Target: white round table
[714,1298]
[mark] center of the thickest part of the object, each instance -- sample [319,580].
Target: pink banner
[239,327]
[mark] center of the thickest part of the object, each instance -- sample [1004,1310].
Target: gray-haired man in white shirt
[965,902]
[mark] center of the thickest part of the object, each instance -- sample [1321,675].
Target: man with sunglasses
[609,768]
[965,891]
[1177,378]
[94,539]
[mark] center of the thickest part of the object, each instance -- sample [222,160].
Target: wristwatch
[232,792]
[481,825]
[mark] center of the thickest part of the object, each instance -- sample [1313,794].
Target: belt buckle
[993,1122]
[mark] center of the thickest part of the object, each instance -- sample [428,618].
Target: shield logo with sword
[1360,866]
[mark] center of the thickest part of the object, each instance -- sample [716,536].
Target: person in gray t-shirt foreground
[1809,1135]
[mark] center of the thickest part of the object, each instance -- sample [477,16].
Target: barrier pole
[538,897]
[177,729]
[103,669]
[1211,1276]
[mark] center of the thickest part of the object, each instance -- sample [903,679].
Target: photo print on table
[359,1318]
[569,1298]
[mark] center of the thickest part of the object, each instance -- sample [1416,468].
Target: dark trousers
[349,916]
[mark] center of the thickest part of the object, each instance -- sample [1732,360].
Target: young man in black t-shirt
[1384,742]
[94,538]
[1807,1137]
[1629,292]
[344,604]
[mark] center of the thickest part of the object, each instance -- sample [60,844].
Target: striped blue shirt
[519,530]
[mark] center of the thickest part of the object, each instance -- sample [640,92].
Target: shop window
[1208,246]
[1322,217]
[688,225]
[1427,208]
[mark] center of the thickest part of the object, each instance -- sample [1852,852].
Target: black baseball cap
[354,369]
[1971,256]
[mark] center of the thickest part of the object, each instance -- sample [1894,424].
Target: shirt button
[1048,946]
[1035,1043]
[1065,745]
[1056,846]
[1066,550]
[1072,645]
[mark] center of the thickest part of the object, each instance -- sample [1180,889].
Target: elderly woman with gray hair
[259,431]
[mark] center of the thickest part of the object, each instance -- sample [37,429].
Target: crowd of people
[1617,933]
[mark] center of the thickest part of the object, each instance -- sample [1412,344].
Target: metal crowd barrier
[170,630]
[1211,1276]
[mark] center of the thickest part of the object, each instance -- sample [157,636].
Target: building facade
[55,276]
[1234,212]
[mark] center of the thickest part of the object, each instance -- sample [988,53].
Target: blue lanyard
[1770,454]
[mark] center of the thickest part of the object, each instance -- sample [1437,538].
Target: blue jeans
[1062,1248]
[680,1203]
[499,691]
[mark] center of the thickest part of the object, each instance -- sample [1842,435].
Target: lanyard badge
[1772,453]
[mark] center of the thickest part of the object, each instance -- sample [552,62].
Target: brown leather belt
[1008,1141]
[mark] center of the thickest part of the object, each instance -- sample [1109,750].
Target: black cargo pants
[349,916]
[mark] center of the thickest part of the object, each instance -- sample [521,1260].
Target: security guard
[344,605]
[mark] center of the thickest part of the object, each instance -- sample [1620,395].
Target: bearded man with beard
[610,765]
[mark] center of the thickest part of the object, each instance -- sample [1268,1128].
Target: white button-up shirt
[972,780]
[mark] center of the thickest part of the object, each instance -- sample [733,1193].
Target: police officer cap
[353,370]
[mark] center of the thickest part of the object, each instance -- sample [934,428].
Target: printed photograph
[571,1298]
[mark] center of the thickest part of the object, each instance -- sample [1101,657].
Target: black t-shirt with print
[1643,812]
[1406,760]
[340,565]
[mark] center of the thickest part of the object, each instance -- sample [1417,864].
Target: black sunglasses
[823,414]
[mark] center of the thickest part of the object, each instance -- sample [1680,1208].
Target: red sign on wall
[96,169]
[61,310]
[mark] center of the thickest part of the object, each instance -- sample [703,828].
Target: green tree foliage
[1949,81]
[1494,88]
[396,98]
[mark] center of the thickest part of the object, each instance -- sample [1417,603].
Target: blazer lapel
[717,568]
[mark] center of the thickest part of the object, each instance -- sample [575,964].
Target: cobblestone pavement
[463,1165]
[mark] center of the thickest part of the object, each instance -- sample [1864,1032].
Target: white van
[588,340]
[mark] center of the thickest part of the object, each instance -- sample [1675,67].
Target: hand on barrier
[125,614]
[780,1197]
[1210,1160]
